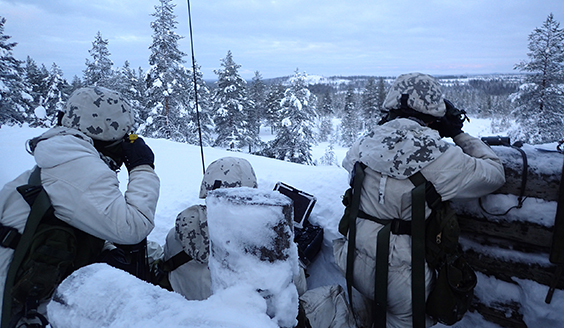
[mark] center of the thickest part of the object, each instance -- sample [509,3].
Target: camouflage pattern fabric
[400,148]
[425,95]
[231,172]
[100,113]
[192,231]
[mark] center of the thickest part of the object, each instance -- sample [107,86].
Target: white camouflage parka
[84,192]
[393,152]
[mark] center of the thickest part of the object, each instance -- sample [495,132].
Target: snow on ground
[179,167]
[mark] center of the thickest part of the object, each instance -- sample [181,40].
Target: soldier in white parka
[186,251]
[78,161]
[398,148]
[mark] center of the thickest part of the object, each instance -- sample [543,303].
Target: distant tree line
[298,113]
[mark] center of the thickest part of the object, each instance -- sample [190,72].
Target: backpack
[44,255]
[454,286]
[434,240]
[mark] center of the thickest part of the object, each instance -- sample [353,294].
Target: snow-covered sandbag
[251,242]
[99,295]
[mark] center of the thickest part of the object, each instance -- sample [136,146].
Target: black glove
[136,152]
[450,125]
[447,128]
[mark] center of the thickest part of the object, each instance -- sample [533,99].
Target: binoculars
[496,141]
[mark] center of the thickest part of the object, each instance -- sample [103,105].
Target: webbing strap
[381,277]
[418,249]
[177,260]
[38,210]
[355,203]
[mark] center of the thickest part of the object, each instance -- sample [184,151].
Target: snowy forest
[300,109]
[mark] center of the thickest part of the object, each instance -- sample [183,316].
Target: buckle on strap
[400,227]
[9,237]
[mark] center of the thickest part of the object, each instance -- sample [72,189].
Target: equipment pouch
[454,288]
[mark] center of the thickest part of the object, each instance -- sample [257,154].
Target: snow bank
[125,301]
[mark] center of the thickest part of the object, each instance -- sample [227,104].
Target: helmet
[420,92]
[100,113]
[228,172]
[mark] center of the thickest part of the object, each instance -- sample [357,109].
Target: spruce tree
[76,83]
[257,94]
[168,115]
[205,126]
[294,137]
[35,79]
[55,96]
[132,87]
[381,92]
[371,104]
[326,113]
[13,106]
[230,106]
[99,71]
[350,124]
[272,106]
[540,100]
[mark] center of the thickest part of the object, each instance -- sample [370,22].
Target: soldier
[403,144]
[186,251]
[78,162]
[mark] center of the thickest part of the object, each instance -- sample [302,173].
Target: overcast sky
[328,38]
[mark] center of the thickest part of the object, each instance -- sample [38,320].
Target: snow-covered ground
[111,296]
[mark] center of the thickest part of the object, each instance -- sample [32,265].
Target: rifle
[557,248]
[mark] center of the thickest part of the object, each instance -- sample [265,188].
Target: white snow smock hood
[401,148]
[51,151]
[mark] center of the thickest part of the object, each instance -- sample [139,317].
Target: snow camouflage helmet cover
[425,95]
[192,231]
[100,113]
[228,172]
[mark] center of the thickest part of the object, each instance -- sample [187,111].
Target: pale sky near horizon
[328,38]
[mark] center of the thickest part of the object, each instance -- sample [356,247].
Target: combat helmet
[98,112]
[228,172]
[416,91]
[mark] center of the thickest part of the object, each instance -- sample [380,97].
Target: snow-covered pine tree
[132,87]
[257,94]
[168,115]
[35,79]
[272,106]
[540,100]
[203,114]
[99,71]
[373,97]
[76,83]
[13,97]
[230,106]
[294,136]
[56,95]
[326,114]
[350,124]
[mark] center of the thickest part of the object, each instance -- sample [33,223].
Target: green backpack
[44,255]
[434,240]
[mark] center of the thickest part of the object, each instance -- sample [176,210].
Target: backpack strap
[177,260]
[9,237]
[39,201]
[350,224]
[418,197]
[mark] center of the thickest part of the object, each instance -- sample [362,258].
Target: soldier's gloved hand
[450,125]
[448,128]
[136,152]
